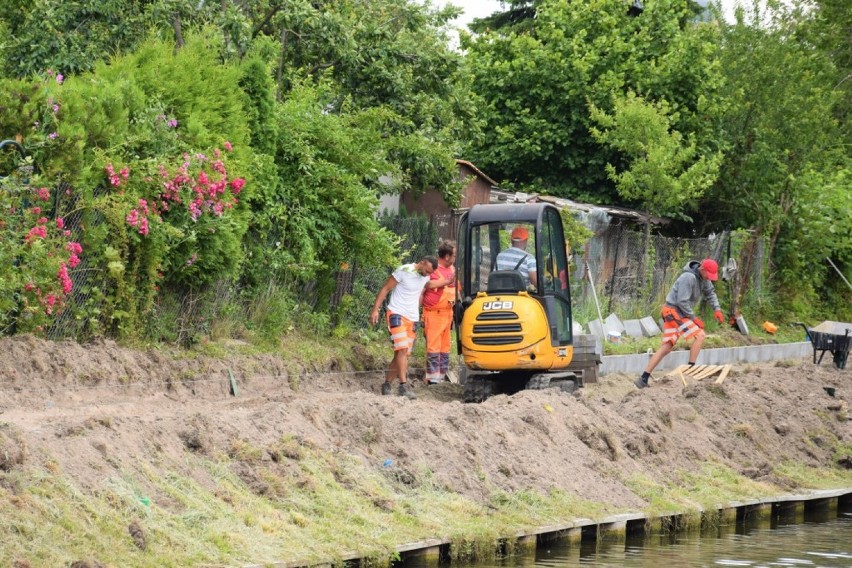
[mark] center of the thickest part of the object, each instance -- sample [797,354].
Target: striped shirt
[509,258]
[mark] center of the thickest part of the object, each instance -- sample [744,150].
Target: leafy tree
[391,54]
[321,213]
[520,15]
[786,173]
[517,14]
[827,24]
[537,88]
[664,172]
[379,53]
[319,100]
[68,37]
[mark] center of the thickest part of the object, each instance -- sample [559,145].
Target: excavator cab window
[493,249]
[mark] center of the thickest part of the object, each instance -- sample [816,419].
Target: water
[819,541]
[812,544]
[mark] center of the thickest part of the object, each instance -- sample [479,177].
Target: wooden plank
[676,370]
[724,374]
[709,372]
[694,370]
[682,378]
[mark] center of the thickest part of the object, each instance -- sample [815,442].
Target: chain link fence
[357,287]
[632,277]
[88,293]
[183,316]
[629,278]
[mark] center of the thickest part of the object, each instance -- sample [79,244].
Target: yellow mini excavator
[513,305]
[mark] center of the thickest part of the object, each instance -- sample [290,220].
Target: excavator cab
[513,305]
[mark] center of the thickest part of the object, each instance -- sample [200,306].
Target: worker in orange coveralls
[438,316]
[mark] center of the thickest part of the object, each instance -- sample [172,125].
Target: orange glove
[698,322]
[720,317]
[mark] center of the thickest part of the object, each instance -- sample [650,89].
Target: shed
[431,204]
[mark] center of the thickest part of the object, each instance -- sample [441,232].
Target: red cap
[711,268]
[520,234]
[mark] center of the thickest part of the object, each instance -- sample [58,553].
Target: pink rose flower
[64,279]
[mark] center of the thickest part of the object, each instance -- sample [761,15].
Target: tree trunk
[280,73]
[178,33]
[223,6]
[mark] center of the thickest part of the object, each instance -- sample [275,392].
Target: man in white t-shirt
[406,283]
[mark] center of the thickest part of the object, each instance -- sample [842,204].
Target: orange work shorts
[401,331]
[676,326]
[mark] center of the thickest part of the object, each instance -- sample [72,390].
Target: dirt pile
[98,409]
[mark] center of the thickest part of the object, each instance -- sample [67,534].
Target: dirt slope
[100,409]
[99,412]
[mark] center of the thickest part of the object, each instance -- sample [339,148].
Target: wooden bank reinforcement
[788,509]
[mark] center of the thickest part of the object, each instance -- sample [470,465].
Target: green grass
[315,507]
[814,478]
[713,486]
[322,506]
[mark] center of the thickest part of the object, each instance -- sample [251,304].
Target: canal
[794,536]
[815,543]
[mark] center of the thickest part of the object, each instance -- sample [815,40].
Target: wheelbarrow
[823,341]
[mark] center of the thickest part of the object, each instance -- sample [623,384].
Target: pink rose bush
[39,256]
[178,218]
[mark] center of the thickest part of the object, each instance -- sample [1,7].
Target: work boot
[386,388]
[640,383]
[406,391]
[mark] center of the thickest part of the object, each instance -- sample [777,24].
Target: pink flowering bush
[38,255]
[156,208]
[171,223]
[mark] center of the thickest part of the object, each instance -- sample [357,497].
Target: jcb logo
[497,306]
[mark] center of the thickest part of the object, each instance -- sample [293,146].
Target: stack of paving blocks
[613,326]
[587,357]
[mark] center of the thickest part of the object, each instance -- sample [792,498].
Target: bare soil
[96,410]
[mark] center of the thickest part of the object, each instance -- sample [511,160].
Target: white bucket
[613,336]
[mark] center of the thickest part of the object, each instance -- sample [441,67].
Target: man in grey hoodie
[679,319]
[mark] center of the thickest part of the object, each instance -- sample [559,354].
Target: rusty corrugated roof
[618,212]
